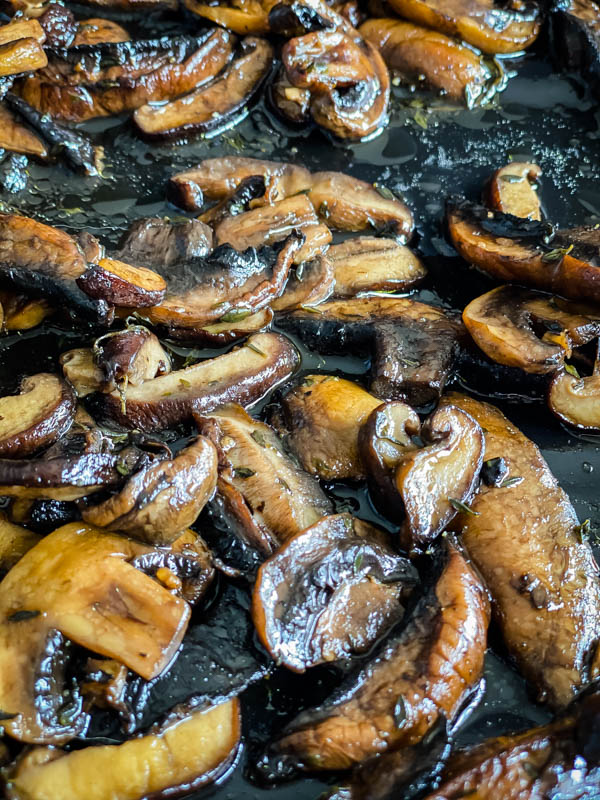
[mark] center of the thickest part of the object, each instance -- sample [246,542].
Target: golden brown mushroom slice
[17,138]
[80,369]
[426,669]
[329,592]
[161,500]
[22,29]
[370,263]
[575,399]
[78,581]
[505,324]
[15,541]
[21,55]
[513,190]
[521,537]
[22,312]
[36,417]
[121,284]
[321,419]
[420,54]
[489,27]
[96,30]
[192,749]
[240,16]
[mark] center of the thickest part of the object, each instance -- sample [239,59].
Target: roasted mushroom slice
[251,190]
[513,190]
[575,399]
[59,25]
[216,105]
[239,16]
[243,375]
[414,344]
[524,538]
[426,669]
[22,29]
[330,592]
[97,30]
[289,102]
[36,417]
[78,581]
[46,261]
[349,204]
[321,419]
[192,749]
[161,500]
[80,369]
[128,357]
[576,38]
[420,54]
[505,321]
[121,284]
[134,6]
[61,478]
[157,242]
[17,138]
[21,55]
[281,499]
[369,263]
[15,541]
[76,85]
[491,28]
[310,283]
[527,251]
[296,17]
[20,312]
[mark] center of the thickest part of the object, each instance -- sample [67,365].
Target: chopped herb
[321,466]
[68,713]
[358,563]
[285,484]
[256,349]
[21,616]
[572,370]
[386,193]
[259,438]
[530,769]
[494,471]
[400,712]
[309,381]
[556,254]
[506,484]
[122,468]
[184,382]
[583,530]
[407,362]
[421,118]
[458,505]
[311,309]
[324,210]
[243,472]
[300,271]
[166,394]
[511,178]
[236,315]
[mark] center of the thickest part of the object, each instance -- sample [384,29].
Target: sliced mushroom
[425,670]
[504,322]
[250,191]
[292,18]
[523,537]
[59,25]
[35,418]
[414,344]
[134,6]
[191,750]
[160,501]
[22,312]
[66,478]
[321,420]
[349,204]
[22,29]
[513,190]
[310,283]
[215,105]
[131,357]
[157,242]
[368,263]
[80,369]
[420,54]
[21,55]
[46,261]
[218,178]
[243,375]
[527,251]
[576,39]
[18,138]
[78,581]
[122,284]
[15,541]
[575,399]
[491,28]
[272,223]
[248,16]
[289,102]
[76,85]
[279,498]
[330,592]
[97,30]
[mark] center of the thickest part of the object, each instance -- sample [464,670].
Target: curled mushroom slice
[289,102]
[280,498]
[310,283]
[39,415]
[61,478]
[576,400]
[161,500]
[512,190]
[213,106]
[426,669]
[520,535]
[121,284]
[491,28]
[192,749]
[420,54]
[131,357]
[368,263]
[251,190]
[15,541]
[244,375]
[21,55]
[22,312]
[505,321]
[350,204]
[17,138]
[96,30]
[414,344]
[78,581]
[218,178]
[330,592]
[321,419]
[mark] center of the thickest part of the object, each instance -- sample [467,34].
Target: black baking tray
[427,152]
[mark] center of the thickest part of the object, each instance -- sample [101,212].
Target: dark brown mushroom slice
[428,667]
[22,29]
[21,55]
[281,498]
[349,204]
[320,420]
[422,55]
[513,190]
[481,23]
[576,39]
[112,609]
[17,138]
[218,178]
[526,251]
[59,25]
[131,356]
[36,417]
[215,105]
[575,400]
[528,329]
[15,541]
[310,283]
[293,18]
[329,593]
[251,189]
[20,312]
[100,80]
[244,375]
[370,263]
[159,501]
[97,30]
[414,344]
[61,478]
[272,223]
[193,749]
[288,101]
[46,261]
[248,17]
[520,535]
[121,284]
[134,6]
[157,242]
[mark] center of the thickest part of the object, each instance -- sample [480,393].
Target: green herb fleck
[259,438]
[583,531]
[572,370]
[458,505]
[400,712]
[184,382]
[556,254]
[506,484]
[421,118]
[122,468]
[21,616]
[358,563]
[531,770]
[311,309]
[236,315]
[386,193]
[256,349]
[244,472]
